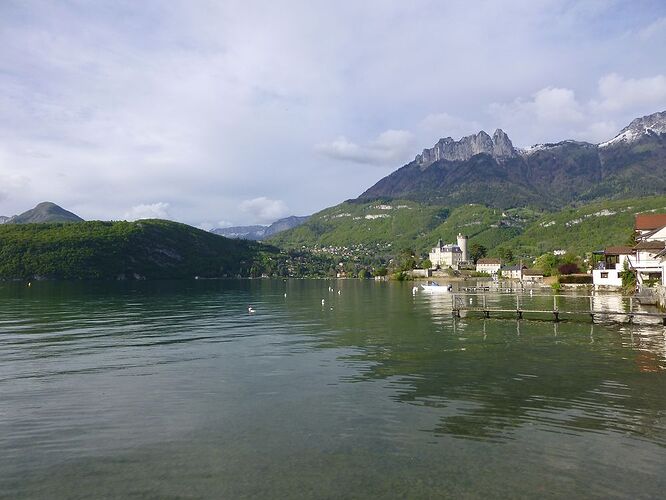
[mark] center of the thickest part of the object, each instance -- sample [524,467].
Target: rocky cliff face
[498,146]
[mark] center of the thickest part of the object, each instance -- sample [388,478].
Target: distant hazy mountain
[489,170]
[261,232]
[4,219]
[44,212]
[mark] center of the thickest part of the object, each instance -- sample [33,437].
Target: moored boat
[434,287]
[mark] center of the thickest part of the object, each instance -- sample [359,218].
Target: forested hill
[150,249]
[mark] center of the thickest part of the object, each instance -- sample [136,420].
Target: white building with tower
[449,255]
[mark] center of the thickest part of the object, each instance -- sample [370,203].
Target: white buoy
[414,290]
[250,309]
[339,292]
[470,300]
[322,302]
[285,295]
[29,283]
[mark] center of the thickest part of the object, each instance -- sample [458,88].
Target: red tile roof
[648,222]
[650,245]
[488,261]
[620,250]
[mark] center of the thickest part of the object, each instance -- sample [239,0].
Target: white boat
[433,287]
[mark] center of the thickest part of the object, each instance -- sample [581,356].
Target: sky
[218,113]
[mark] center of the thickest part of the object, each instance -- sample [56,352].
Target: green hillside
[585,228]
[397,223]
[151,249]
[527,232]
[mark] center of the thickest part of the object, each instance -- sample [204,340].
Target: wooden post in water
[631,309]
[555,311]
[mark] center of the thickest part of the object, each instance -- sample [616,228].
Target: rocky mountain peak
[498,146]
[653,124]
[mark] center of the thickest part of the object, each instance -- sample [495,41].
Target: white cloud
[180,104]
[550,105]
[653,30]
[389,147]
[159,210]
[617,93]
[264,210]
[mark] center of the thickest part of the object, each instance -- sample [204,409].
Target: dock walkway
[524,305]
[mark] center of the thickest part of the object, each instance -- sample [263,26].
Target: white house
[512,272]
[532,275]
[645,259]
[445,255]
[608,270]
[489,266]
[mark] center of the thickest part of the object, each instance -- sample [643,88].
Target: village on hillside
[638,267]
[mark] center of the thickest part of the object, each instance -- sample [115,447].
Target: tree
[548,263]
[505,254]
[477,252]
[426,264]
[381,271]
[568,268]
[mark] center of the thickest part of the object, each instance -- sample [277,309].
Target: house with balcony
[647,262]
[647,258]
[607,272]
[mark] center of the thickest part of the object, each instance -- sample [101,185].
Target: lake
[174,390]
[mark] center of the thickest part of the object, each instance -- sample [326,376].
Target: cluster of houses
[646,259]
[456,256]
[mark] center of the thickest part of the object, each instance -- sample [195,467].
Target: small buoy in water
[330,288]
[414,290]
[322,302]
[285,295]
[29,283]
[250,309]
[531,292]
[339,292]
[470,300]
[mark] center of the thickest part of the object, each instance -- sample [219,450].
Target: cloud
[264,210]
[550,105]
[555,113]
[618,93]
[159,210]
[653,30]
[443,124]
[388,148]
[173,101]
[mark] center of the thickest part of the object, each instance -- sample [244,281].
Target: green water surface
[175,390]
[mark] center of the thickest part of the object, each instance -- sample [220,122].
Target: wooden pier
[482,303]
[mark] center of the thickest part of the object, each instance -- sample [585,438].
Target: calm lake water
[173,390]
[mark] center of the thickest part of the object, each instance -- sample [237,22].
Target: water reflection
[147,374]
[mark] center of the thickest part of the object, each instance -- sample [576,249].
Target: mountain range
[259,232]
[535,199]
[490,170]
